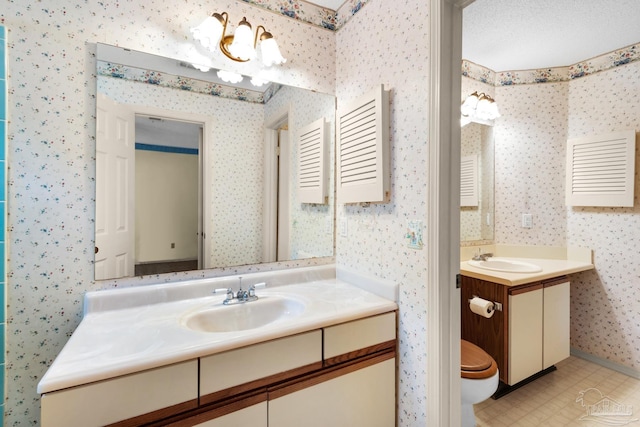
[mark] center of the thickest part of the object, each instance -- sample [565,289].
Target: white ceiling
[506,35]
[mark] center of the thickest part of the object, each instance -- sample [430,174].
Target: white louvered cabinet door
[312,163]
[363,173]
[600,170]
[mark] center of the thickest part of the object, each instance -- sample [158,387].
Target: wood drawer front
[254,416]
[359,334]
[107,402]
[235,367]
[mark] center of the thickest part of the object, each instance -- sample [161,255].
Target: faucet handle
[252,289]
[228,291]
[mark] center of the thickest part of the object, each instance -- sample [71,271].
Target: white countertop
[550,268]
[111,341]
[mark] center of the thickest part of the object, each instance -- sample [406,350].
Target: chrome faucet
[479,256]
[241,296]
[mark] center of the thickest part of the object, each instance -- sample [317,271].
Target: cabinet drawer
[107,402]
[219,373]
[346,338]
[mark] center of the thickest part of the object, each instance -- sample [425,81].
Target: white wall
[166,206]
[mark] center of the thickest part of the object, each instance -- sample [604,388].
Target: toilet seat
[475,363]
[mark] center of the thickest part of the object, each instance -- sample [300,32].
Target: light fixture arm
[265,34]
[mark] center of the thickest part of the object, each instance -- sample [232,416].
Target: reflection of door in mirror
[148,194]
[284,194]
[115,233]
[476,221]
[236,132]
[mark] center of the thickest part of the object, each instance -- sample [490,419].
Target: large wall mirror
[477,153]
[194,173]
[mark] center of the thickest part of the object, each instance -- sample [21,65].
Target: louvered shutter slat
[600,170]
[363,149]
[312,163]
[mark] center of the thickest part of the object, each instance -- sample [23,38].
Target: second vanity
[314,352]
[528,332]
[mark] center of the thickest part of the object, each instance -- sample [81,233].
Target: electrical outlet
[527,221]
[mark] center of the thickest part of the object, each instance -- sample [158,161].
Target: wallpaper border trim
[607,61]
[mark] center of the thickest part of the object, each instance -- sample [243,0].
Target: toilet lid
[473,358]
[475,363]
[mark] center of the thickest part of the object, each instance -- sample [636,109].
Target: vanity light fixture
[479,106]
[241,46]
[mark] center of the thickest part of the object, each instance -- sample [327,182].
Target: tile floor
[553,400]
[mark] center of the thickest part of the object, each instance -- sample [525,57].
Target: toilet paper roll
[481,307]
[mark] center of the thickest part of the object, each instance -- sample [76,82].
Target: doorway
[168,195]
[277,191]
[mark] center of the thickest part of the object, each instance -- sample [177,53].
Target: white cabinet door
[361,398]
[253,416]
[525,334]
[556,345]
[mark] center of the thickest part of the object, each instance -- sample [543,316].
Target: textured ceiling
[506,35]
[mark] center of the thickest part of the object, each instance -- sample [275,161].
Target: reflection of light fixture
[241,46]
[229,76]
[479,106]
[258,81]
[203,68]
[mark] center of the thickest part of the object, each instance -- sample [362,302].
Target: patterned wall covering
[622,56]
[605,303]
[236,162]
[476,222]
[378,45]
[531,135]
[183,83]
[308,232]
[530,140]
[3,212]
[312,14]
[52,84]
[474,231]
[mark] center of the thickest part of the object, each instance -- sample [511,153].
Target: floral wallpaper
[311,13]
[622,56]
[541,109]
[236,163]
[605,303]
[377,46]
[183,83]
[309,234]
[51,148]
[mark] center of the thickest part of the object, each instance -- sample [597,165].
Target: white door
[284,196]
[115,183]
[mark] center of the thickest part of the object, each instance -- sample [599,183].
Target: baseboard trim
[606,363]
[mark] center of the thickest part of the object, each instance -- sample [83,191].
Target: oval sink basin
[240,317]
[506,265]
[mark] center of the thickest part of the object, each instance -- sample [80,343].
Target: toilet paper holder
[497,306]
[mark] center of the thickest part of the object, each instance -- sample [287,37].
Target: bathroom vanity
[528,332]
[326,357]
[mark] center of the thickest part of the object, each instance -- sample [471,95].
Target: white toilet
[479,373]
